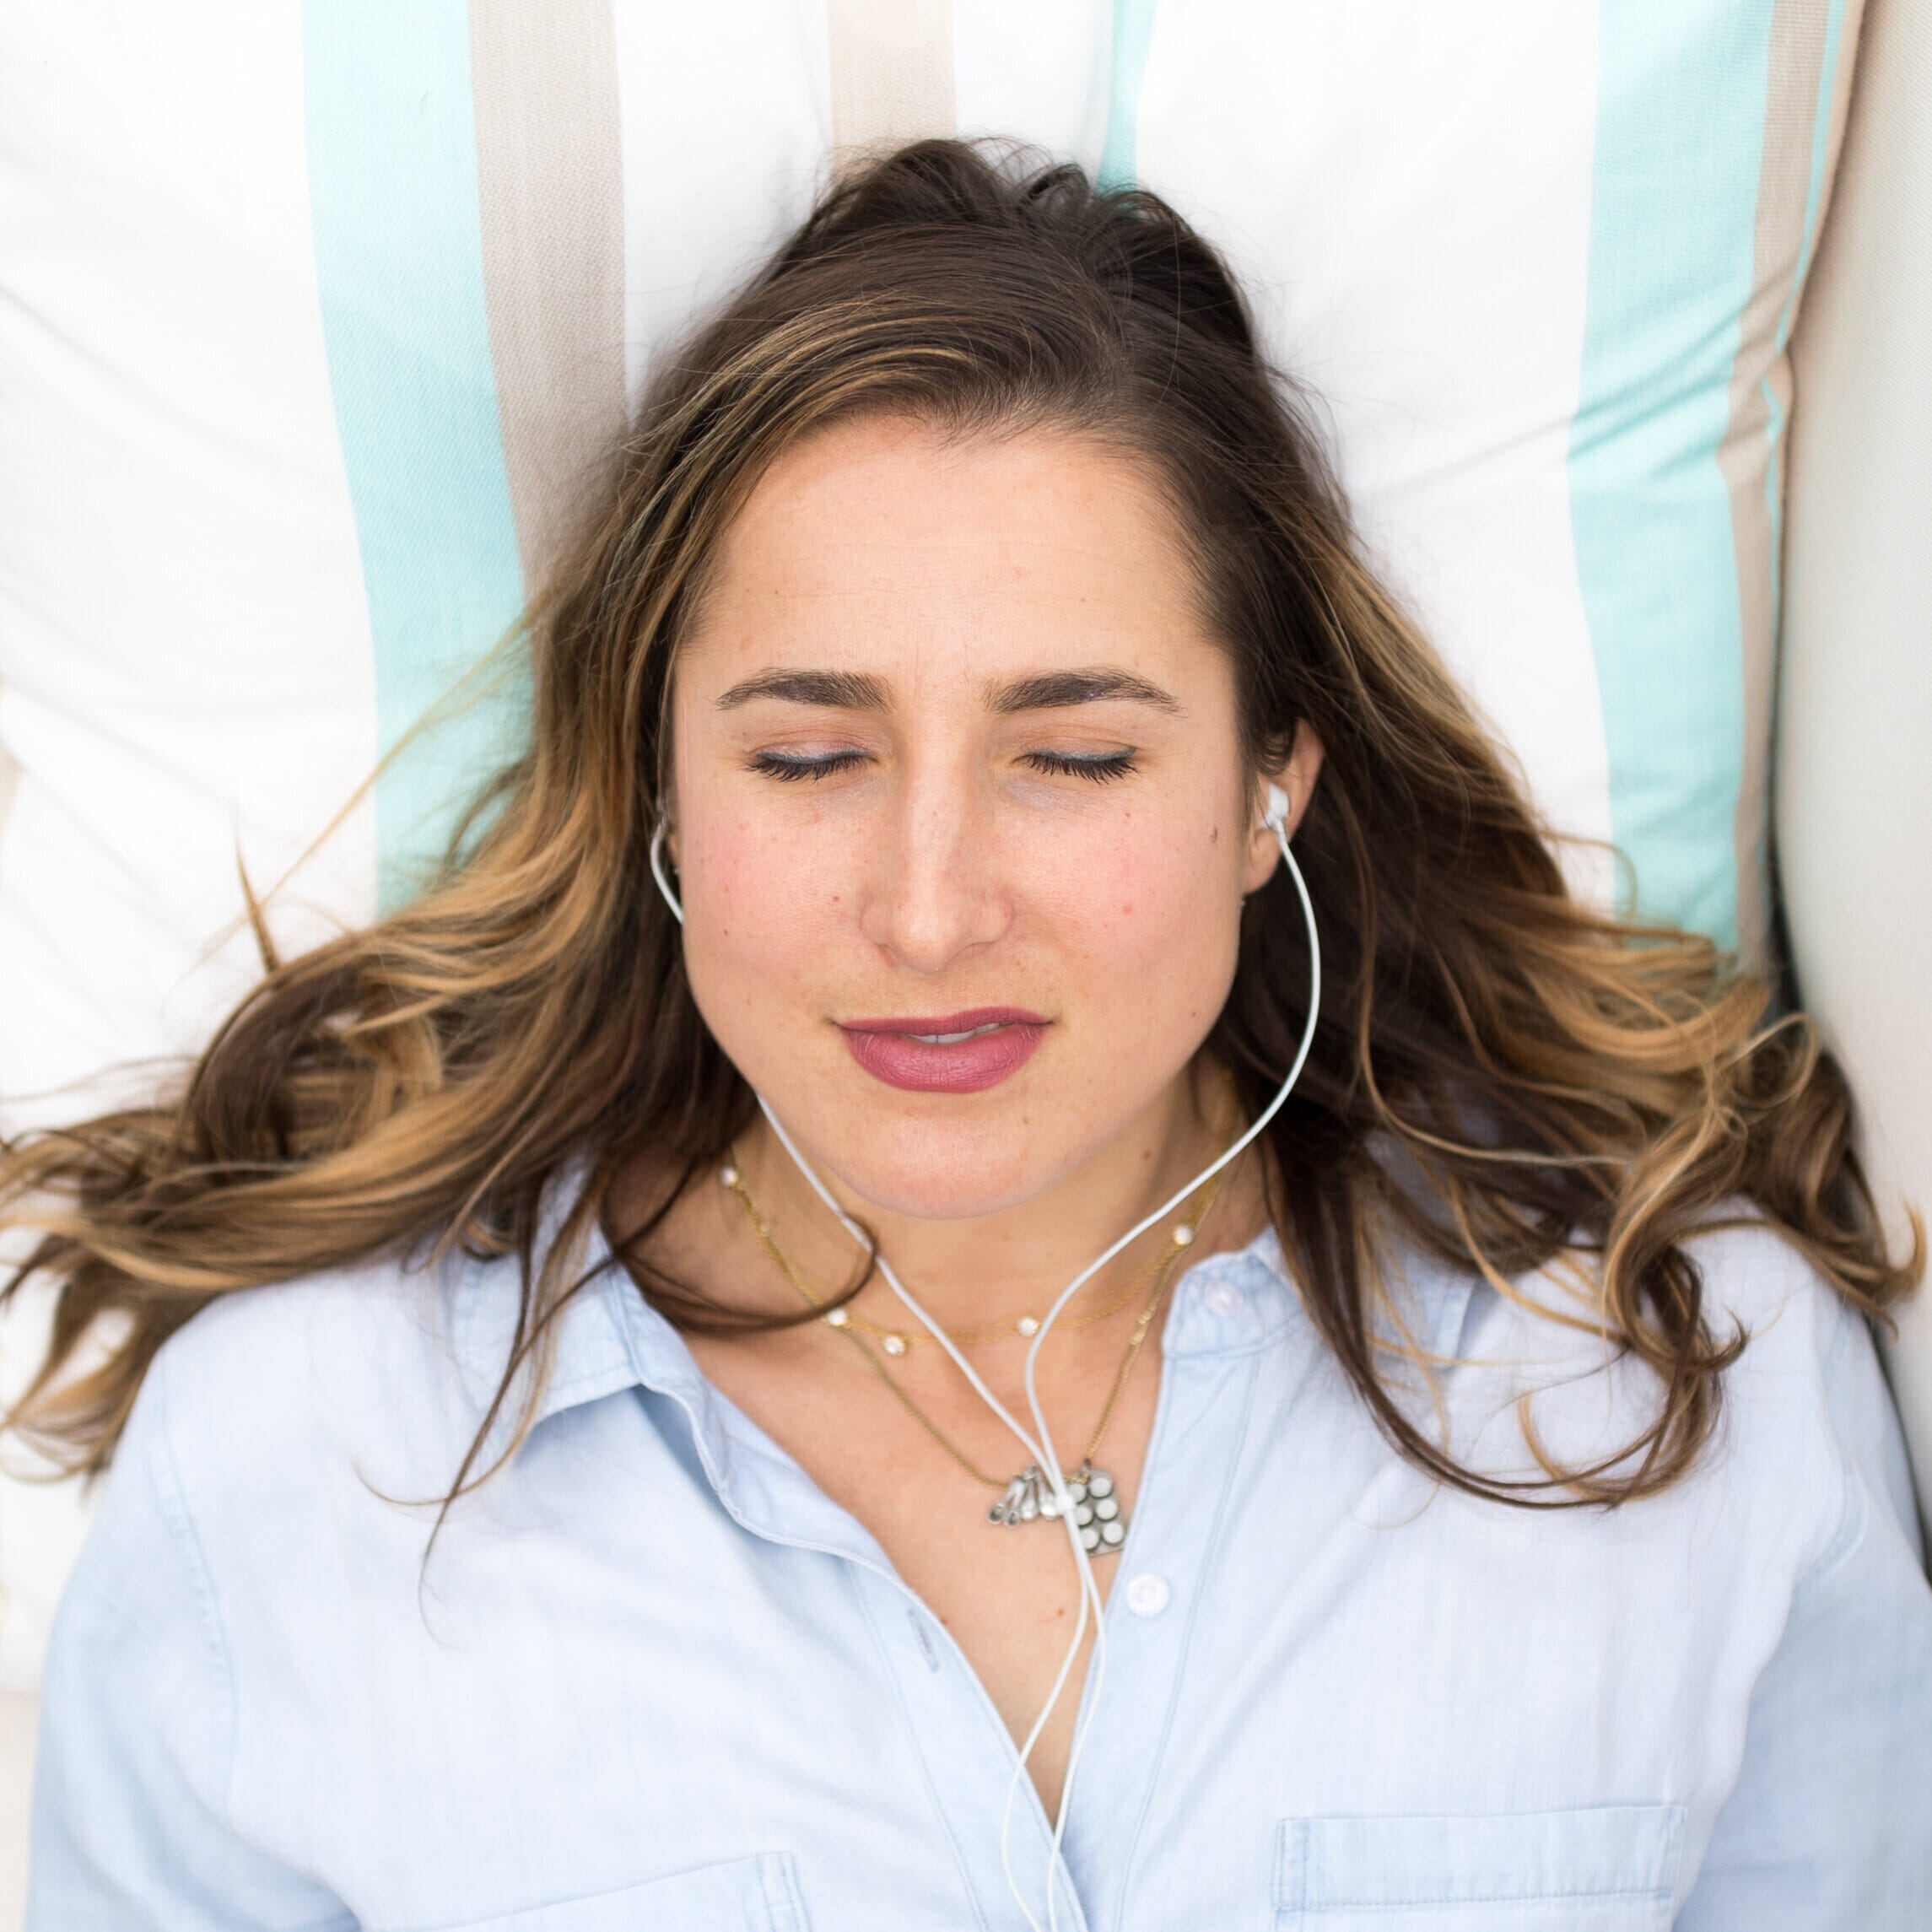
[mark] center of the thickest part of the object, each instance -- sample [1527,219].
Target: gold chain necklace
[1028,1497]
[900,1341]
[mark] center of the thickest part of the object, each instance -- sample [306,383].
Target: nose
[934,898]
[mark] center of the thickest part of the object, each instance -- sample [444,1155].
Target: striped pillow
[1543,262]
[313,314]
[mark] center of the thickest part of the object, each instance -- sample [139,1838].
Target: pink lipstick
[949,1053]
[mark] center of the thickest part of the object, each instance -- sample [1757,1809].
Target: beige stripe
[1851,40]
[551,187]
[1797,52]
[891,74]
[1841,104]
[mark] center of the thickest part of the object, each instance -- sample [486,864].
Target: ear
[1297,778]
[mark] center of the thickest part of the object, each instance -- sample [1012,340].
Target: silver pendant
[1030,1498]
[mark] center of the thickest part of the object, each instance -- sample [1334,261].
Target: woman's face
[954,756]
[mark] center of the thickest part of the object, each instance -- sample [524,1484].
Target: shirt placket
[1208,1378]
[970,1764]
[1208,1375]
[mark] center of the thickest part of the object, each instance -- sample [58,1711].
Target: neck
[995,1267]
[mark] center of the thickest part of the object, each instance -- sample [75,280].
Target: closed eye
[789,766]
[1099,767]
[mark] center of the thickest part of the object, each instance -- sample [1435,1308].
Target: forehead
[882,545]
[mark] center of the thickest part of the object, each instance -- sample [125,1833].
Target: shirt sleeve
[1829,1826]
[131,1829]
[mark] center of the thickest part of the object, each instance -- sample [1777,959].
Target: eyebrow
[856,691]
[1056,688]
[837,690]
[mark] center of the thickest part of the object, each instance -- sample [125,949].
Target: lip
[1001,1040]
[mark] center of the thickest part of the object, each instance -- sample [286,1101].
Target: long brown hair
[1553,1084]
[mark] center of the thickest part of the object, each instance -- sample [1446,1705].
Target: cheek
[1155,925]
[761,904]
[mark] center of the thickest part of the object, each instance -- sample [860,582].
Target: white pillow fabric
[309,317]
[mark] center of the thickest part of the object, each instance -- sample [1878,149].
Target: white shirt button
[1221,1298]
[1147,1594]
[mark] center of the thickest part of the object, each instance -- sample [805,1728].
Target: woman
[685,1447]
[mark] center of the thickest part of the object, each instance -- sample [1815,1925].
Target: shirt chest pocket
[746,1895]
[1606,1868]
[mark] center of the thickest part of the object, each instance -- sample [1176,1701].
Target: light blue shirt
[653,1679]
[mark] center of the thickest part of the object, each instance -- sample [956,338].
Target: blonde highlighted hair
[1558,1084]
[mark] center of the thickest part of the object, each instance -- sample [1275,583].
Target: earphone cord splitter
[1040,1447]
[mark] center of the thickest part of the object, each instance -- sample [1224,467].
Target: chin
[934,1168]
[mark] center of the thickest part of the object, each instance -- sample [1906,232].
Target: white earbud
[657,870]
[1279,806]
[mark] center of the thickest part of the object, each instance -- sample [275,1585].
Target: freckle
[1214,837]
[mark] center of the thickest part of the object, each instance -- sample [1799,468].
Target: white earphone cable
[1039,1446]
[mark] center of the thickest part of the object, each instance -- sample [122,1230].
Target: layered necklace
[1027,1497]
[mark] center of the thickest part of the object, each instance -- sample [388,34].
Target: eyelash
[1059,765]
[789,770]
[1100,770]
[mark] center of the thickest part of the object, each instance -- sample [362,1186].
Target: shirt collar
[1233,1302]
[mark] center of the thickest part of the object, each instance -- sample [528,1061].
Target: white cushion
[309,316]
[1855,784]
[18,1716]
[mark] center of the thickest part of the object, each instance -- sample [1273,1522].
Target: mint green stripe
[393,185]
[1682,92]
[1133,33]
